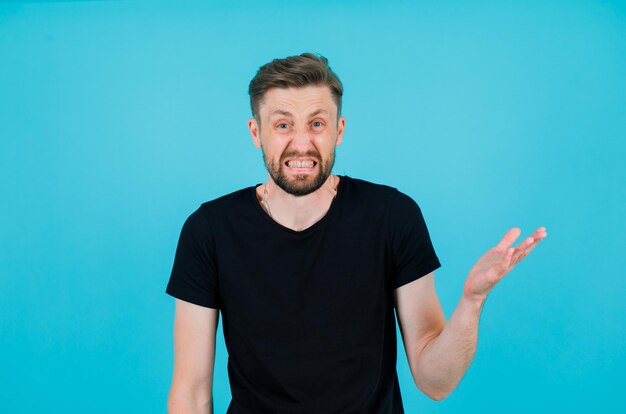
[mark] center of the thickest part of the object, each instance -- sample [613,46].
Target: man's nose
[301,140]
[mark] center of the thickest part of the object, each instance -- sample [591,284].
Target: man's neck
[298,213]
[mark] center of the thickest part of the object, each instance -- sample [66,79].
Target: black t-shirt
[308,316]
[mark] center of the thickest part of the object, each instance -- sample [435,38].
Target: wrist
[473,301]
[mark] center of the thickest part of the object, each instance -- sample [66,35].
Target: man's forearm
[445,359]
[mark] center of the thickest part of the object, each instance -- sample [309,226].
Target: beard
[301,184]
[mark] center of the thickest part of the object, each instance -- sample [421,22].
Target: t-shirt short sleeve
[194,277]
[412,251]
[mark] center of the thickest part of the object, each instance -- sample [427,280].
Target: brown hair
[294,72]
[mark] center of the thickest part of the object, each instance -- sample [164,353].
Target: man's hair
[294,72]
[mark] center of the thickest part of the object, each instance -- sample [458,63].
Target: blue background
[117,119]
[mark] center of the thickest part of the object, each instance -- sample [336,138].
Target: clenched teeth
[301,164]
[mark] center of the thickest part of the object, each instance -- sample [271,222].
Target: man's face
[297,132]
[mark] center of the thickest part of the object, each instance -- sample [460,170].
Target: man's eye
[282,126]
[316,124]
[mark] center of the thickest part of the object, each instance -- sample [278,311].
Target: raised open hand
[499,261]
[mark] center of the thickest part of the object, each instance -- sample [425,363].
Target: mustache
[296,154]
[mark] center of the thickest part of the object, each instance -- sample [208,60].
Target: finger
[508,239]
[521,249]
[528,241]
[540,233]
[522,252]
[501,267]
[537,235]
[508,259]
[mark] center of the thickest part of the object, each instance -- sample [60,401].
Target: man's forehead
[287,113]
[289,101]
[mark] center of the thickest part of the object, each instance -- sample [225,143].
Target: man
[308,268]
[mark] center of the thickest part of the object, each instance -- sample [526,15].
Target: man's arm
[194,358]
[439,353]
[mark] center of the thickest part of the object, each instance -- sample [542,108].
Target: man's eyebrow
[319,111]
[281,112]
[289,114]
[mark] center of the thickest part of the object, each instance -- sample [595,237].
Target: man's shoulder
[379,196]
[223,206]
[363,188]
[228,200]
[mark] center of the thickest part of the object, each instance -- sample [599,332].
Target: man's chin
[300,184]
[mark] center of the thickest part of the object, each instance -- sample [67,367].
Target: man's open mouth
[301,163]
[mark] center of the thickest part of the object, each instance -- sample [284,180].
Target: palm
[498,261]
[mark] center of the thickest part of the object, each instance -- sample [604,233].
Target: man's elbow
[437,396]
[436,389]
[183,404]
[435,393]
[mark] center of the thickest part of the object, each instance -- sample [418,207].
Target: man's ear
[341,124]
[253,126]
